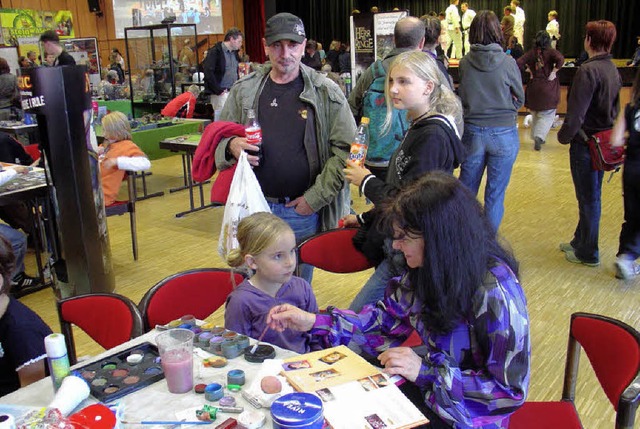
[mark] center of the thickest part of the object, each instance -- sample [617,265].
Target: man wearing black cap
[307,129]
[51,43]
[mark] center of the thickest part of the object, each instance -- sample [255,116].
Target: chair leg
[134,234]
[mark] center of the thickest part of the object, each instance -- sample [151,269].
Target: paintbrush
[255,346]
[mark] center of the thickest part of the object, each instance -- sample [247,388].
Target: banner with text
[22,23]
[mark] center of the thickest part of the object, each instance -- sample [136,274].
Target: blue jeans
[303,227]
[18,243]
[496,149]
[373,290]
[588,186]
[630,232]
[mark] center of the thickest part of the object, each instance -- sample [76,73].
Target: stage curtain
[328,19]
[254,24]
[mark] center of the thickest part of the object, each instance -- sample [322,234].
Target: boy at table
[22,333]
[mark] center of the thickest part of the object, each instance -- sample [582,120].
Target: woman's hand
[350,221]
[401,361]
[354,173]
[286,316]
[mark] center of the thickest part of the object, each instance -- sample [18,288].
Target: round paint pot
[203,339]
[188,319]
[297,410]
[236,376]
[230,349]
[213,392]
[262,352]
[215,345]
[243,342]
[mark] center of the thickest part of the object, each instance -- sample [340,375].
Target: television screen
[206,14]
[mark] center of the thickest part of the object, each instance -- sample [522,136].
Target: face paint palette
[122,373]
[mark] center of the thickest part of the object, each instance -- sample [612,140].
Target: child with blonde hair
[432,142]
[268,248]
[117,154]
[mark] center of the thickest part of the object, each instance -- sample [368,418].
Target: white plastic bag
[245,198]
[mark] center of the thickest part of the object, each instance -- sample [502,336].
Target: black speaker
[94,6]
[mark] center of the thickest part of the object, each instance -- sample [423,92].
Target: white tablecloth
[153,402]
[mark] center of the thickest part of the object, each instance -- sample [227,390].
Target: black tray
[108,382]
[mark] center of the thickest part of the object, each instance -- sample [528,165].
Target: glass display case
[160,58]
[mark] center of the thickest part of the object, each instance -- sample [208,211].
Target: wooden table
[187,145]
[18,128]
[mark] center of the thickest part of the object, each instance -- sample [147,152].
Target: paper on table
[354,392]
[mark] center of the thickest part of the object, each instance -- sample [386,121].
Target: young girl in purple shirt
[268,248]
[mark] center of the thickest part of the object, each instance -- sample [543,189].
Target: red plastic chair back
[109,319]
[613,351]
[33,150]
[198,292]
[333,251]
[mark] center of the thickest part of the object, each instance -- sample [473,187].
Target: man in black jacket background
[221,68]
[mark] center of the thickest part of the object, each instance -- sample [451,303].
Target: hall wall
[88,24]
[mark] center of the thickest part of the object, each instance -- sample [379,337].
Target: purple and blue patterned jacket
[474,376]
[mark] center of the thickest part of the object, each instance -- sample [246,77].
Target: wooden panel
[25,4]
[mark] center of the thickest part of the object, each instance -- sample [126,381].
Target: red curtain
[254,23]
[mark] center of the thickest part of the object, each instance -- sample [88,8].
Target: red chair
[333,251]
[199,292]
[613,348]
[108,318]
[33,150]
[121,207]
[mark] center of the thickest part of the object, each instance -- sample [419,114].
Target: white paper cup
[71,393]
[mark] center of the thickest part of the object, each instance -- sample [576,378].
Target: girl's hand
[350,221]
[286,316]
[354,173]
[401,361]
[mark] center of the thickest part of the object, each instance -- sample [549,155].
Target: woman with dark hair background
[491,93]
[9,94]
[461,294]
[592,106]
[543,90]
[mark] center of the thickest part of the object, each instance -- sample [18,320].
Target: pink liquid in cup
[178,370]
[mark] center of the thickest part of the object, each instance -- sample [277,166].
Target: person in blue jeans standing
[491,93]
[592,106]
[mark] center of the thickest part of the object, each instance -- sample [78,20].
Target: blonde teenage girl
[415,84]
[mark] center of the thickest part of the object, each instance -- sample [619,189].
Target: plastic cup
[176,354]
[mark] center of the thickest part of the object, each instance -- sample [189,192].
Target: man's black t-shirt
[284,169]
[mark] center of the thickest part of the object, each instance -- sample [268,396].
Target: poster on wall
[361,44]
[85,52]
[371,38]
[206,14]
[21,23]
[383,25]
[29,44]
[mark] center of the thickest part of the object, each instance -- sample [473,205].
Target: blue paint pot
[297,410]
